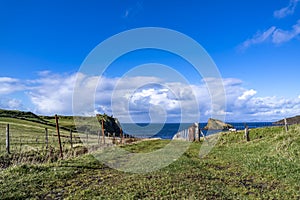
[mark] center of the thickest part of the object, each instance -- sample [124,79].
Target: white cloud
[244,105]
[289,10]
[52,93]
[271,108]
[259,37]
[9,85]
[274,35]
[142,95]
[280,36]
[247,94]
[14,104]
[156,97]
[44,73]
[8,80]
[10,103]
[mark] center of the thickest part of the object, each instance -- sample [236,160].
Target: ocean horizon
[168,130]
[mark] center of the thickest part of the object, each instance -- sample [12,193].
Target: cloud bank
[53,93]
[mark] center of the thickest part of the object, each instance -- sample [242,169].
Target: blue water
[167,131]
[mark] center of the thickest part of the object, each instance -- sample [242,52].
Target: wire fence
[25,138]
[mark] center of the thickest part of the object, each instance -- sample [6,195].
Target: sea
[168,130]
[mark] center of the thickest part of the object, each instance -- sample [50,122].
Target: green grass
[267,167]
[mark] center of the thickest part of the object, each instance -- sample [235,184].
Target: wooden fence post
[247,134]
[286,125]
[58,135]
[7,139]
[71,138]
[121,135]
[46,137]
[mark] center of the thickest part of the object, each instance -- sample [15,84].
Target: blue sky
[255,45]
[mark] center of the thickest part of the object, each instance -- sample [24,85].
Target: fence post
[7,139]
[46,137]
[58,135]
[71,138]
[121,135]
[286,125]
[247,134]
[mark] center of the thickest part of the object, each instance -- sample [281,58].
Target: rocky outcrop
[291,120]
[111,124]
[215,124]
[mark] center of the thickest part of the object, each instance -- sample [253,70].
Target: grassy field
[267,167]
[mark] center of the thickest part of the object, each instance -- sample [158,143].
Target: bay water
[168,130]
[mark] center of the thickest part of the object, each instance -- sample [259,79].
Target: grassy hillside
[29,116]
[66,122]
[267,167]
